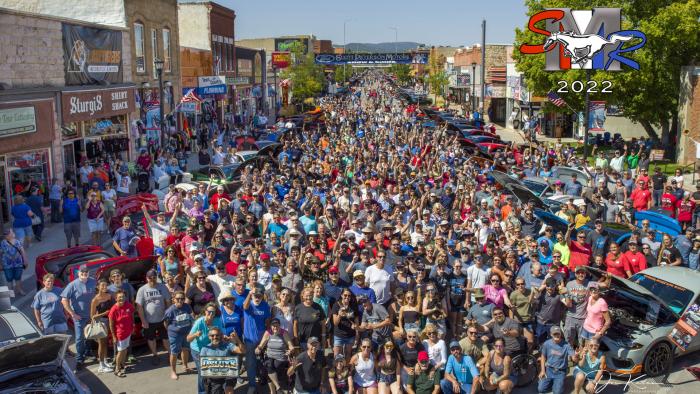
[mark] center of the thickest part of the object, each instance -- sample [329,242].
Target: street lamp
[345,69]
[473,85]
[159,70]
[396,39]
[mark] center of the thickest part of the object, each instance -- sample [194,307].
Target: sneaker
[108,364]
[104,369]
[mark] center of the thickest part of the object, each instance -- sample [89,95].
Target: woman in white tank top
[365,377]
[284,310]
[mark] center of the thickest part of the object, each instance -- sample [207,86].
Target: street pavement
[146,378]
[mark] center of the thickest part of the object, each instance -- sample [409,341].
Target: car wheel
[658,360]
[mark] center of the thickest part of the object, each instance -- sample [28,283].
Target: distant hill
[382,47]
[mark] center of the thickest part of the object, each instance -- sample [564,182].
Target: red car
[130,206]
[65,263]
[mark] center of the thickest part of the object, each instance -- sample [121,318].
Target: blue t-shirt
[233,322]
[179,319]
[224,349]
[49,305]
[71,210]
[464,370]
[254,322]
[277,228]
[203,340]
[557,354]
[123,238]
[20,214]
[80,296]
[240,298]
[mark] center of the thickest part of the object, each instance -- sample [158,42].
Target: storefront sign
[245,67]
[215,84]
[281,59]
[238,80]
[287,44]
[191,107]
[219,367]
[463,80]
[92,55]
[96,104]
[15,121]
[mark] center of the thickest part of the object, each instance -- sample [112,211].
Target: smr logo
[584,39]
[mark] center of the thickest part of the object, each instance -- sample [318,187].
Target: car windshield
[676,297]
[536,187]
[228,170]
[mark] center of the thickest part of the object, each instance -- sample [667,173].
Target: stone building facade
[689,116]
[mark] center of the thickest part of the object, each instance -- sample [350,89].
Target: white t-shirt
[478,276]
[219,283]
[378,280]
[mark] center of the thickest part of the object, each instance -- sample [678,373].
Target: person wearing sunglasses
[363,363]
[580,251]
[198,337]
[217,347]
[178,321]
[589,370]
[309,368]
[256,313]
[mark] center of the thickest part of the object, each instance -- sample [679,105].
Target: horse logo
[581,47]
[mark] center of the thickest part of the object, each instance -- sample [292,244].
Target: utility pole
[483,66]
[396,39]
[345,65]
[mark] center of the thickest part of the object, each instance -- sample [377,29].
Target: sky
[430,22]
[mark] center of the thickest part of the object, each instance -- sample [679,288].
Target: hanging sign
[15,121]
[281,59]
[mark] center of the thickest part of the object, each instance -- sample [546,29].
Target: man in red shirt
[636,259]
[581,252]
[668,201]
[144,161]
[641,197]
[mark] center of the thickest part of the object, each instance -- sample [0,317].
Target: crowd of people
[374,257]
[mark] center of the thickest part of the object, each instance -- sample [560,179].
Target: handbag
[95,330]
[36,220]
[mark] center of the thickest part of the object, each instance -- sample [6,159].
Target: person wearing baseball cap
[424,379]
[308,368]
[151,301]
[461,373]
[556,353]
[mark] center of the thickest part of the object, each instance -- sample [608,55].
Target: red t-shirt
[580,255]
[685,210]
[668,203]
[123,317]
[617,266]
[637,261]
[232,268]
[640,199]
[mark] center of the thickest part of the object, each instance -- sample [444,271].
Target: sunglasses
[214,335]
[520,284]
[179,298]
[471,332]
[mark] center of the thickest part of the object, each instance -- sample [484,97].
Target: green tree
[437,77]
[307,77]
[402,73]
[344,73]
[648,95]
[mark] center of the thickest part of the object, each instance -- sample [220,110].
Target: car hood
[44,351]
[515,187]
[636,301]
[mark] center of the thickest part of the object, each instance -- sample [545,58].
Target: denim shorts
[13,274]
[22,232]
[387,379]
[177,343]
[586,335]
[338,341]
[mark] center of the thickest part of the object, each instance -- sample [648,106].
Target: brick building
[53,105]
[208,55]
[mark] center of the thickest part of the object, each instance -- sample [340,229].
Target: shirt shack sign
[96,104]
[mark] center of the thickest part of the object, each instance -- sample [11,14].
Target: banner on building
[211,85]
[96,104]
[371,58]
[19,120]
[596,116]
[281,59]
[92,55]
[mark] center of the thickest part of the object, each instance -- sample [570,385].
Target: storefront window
[109,126]
[28,169]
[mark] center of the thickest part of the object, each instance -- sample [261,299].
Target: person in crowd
[363,363]
[556,353]
[70,209]
[121,326]
[99,309]
[461,373]
[48,312]
[590,368]
[256,313]
[198,337]
[76,299]
[217,347]
[22,216]
[13,261]
[425,379]
[95,213]
[598,319]
[498,369]
[308,368]
[277,346]
[152,299]
[178,320]
[36,204]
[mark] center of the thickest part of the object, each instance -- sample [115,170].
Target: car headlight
[635,346]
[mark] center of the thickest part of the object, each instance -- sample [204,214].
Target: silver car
[644,309]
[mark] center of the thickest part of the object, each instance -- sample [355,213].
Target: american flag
[555,99]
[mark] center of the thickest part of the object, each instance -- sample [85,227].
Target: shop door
[69,161]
